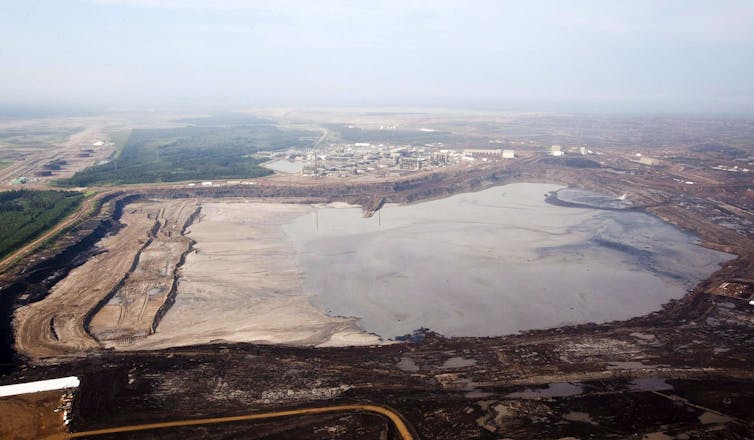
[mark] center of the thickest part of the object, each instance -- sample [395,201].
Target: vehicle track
[397,420]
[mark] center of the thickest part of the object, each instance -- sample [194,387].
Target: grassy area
[199,152]
[25,214]
[4,164]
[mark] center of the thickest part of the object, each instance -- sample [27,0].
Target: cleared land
[58,324]
[242,284]
[32,416]
[145,293]
[42,157]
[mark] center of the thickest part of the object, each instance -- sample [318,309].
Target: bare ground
[58,325]
[144,294]
[241,284]
[31,416]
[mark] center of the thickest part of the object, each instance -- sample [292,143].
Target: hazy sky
[636,55]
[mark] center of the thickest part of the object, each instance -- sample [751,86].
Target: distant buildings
[478,153]
[349,159]
[410,163]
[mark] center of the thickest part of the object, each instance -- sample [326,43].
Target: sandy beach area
[242,284]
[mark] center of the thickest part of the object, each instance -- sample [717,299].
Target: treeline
[25,214]
[225,119]
[574,162]
[190,153]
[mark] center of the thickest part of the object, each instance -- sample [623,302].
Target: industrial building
[478,153]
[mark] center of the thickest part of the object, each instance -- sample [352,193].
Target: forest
[24,214]
[196,152]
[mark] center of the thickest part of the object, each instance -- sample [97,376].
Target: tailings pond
[284,166]
[494,262]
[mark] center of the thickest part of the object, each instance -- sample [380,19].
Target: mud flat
[494,262]
[241,283]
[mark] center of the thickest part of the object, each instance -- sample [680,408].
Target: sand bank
[242,284]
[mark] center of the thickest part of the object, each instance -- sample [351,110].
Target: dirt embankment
[55,325]
[31,279]
[132,309]
[116,294]
[417,187]
[242,284]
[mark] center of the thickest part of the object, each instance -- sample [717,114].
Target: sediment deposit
[59,324]
[241,283]
[145,293]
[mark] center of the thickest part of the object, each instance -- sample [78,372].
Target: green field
[197,152]
[25,214]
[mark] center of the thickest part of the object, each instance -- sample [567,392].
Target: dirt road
[394,417]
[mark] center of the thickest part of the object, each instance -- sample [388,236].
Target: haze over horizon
[588,56]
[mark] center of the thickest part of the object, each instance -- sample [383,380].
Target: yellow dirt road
[394,417]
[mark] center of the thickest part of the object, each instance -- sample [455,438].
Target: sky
[690,56]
